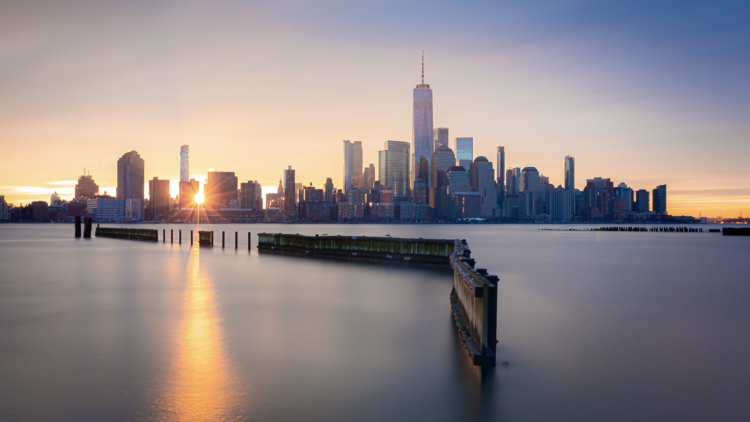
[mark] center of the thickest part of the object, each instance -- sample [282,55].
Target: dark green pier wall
[133,234]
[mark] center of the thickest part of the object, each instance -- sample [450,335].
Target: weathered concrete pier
[474,294]
[735,231]
[133,234]
[431,251]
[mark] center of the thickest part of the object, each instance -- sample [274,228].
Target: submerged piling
[78,226]
[87,228]
[236,242]
[171,236]
[191,238]
[180,236]
[248,241]
[222,240]
[164,236]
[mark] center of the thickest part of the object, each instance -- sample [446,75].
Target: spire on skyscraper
[422,67]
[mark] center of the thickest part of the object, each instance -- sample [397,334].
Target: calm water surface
[595,326]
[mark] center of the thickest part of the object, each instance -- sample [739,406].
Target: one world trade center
[422,143]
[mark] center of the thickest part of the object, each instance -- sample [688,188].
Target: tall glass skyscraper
[184,163]
[130,184]
[422,130]
[348,164]
[397,167]
[500,175]
[464,148]
[570,173]
[441,137]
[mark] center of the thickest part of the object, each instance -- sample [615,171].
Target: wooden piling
[236,242]
[164,236]
[222,240]
[180,236]
[78,226]
[191,238]
[171,236]
[248,241]
[87,228]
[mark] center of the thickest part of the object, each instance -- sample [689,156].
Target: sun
[199,198]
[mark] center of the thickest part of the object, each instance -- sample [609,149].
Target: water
[595,326]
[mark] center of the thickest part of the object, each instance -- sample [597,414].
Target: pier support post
[248,241]
[164,236]
[222,240]
[180,236]
[87,227]
[78,226]
[191,238]
[236,242]
[171,236]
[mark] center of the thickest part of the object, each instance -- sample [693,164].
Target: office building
[383,167]
[86,187]
[184,163]
[442,160]
[159,199]
[357,165]
[626,193]
[328,190]
[220,189]
[660,199]
[530,180]
[561,204]
[500,176]
[440,136]
[464,148]
[483,182]
[348,164]
[467,205]
[188,190]
[130,184]
[290,204]
[4,209]
[397,167]
[512,179]
[458,180]
[422,130]
[570,173]
[251,196]
[642,201]
[105,209]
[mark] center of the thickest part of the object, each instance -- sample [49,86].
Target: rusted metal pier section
[474,294]
[133,234]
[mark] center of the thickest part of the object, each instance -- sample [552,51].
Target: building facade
[184,163]
[130,184]
[159,199]
[397,167]
[220,189]
[86,187]
[290,201]
[422,129]
[440,137]
[660,199]
[464,149]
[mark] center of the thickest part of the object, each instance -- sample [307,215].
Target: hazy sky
[642,92]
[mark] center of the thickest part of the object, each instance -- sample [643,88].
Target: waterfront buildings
[221,188]
[642,201]
[184,163]
[422,130]
[500,176]
[624,192]
[130,184]
[188,190]
[561,204]
[357,172]
[106,209]
[4,209]
[348,164]
[441,137]
[660,199]
[464,149]
[328,194]
[86,187]
[482,177]
[251,196]
[159,199]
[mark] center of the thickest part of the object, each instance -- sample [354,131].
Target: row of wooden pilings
[209,239]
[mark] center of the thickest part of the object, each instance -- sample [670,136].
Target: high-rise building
[500,176]
[570,173]
[357,172]
[441,137]
[86,186]
[660,199]
[369,176]
[130,184]
[483,181]
[290,200]
[383,167]
[561,204]
[184,163]
[422,130]
[458,180]
[642,201]
[397,167]
[251,195]
[530,180]
[158,198]
[188,190]
[4,209]
[221,188]
[624,192]
[106,209]
[348,164]
[329,190]
[464,148]
[442,160]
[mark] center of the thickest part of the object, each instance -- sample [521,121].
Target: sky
[641,92]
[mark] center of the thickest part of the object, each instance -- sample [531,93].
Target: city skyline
[632,118]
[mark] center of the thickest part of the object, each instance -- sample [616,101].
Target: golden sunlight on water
[200,385]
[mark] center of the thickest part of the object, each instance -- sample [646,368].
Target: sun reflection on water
[201,384]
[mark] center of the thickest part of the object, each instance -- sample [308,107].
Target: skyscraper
[329,189]
[357,171]
[641,201]
[484,183]
[86,186]
[184,163]
[290,200]
[130,184]
[464,148]
[383,167]
[441,137]
[348,164]
[500,176]
[221,188]
[442,159]
[397,176]
[251,196]
[570,173]
[422,130]
[660,199]
[159,198]
[512,178]
[188,190]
